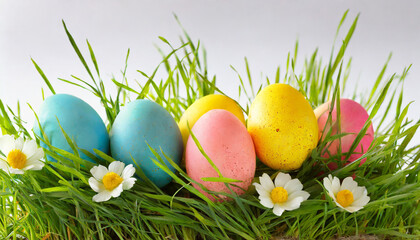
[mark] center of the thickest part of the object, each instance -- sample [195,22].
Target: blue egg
[144,121]
[78,119]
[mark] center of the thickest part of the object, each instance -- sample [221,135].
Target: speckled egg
[283,126]
[143,122]
[353,117]
[226,141]
[78,119]
[203,105]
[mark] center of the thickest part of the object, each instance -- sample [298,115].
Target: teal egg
[144,122]
[78,119]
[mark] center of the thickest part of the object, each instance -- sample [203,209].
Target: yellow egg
[283,127]
[202,106]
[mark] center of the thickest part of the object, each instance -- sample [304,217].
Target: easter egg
[227,143]
[352,119]
[79,121]
[283,126]
[203,105]
[139,124]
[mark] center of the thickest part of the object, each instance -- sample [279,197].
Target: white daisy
[20,155]
[284,194]
[348,195]
[112,181]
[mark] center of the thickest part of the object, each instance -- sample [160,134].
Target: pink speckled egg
[228,144]
[353,117]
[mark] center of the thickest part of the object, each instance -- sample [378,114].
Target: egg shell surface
[283,127]
[226,141]
[78,119]
[352,119]
[203,105]
[144,121]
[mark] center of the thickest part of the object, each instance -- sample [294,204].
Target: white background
[262,31]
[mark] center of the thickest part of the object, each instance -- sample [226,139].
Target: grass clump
[56,202]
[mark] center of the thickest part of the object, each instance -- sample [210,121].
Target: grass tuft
[56,202]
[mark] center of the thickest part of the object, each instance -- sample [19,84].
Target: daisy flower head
[284,194]
[20,155]
[347,195]
[110,182]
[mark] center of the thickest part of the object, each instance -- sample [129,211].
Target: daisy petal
[128,183]
[261,191]
[292,204]
[128,171]
[116,167]
[265,194]
[36,155]
[330,177]
[38,165]
[335,185]
[361,201]
[95,185]
[282,179]
[266,182]
[7,143]
[278,210]
[258,187]
[327,184]
[102,196]
[35,158]
[348,184]
[303,194]
[99,172]
[338,205]
[33,165]
[16,171]
[293,186]
[266,202]
[28,167]
[353,209]
[116,192]
[19,143]
[4,166]
[29,148]
[358,192]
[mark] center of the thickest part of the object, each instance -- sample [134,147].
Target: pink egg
[227,142]
[353,118]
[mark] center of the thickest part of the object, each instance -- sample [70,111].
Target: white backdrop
[262,31]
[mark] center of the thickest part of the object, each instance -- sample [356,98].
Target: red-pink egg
[228,144]
[353,118]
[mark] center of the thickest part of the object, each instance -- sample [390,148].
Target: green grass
[56,202]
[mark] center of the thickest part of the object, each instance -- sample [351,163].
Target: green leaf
[43,76]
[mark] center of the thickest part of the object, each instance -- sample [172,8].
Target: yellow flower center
[345,198]
[279,195]
[111,180]
[16,159]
